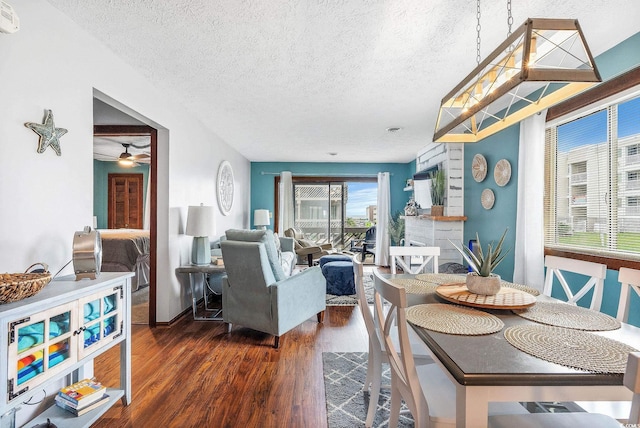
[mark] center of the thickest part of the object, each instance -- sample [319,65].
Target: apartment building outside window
[592,201]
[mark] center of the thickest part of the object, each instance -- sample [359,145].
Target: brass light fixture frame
[503,89]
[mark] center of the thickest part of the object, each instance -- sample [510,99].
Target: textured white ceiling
[294,80]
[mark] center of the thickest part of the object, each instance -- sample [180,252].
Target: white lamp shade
[261,218]
[200,221]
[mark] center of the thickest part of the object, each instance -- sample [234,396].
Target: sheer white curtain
[529,248]
[285,204]
[382,227]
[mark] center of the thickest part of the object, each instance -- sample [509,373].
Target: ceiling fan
[128,159]
[128,153]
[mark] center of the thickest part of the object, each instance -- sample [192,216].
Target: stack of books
[82,397]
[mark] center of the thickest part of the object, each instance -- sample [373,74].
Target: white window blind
[592,197]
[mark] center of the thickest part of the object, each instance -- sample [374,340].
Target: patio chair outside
[367,245]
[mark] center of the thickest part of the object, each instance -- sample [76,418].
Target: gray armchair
[256,292]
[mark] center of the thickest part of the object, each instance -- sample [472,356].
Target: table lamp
[261,219]
[200,225]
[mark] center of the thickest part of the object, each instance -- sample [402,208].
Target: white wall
[52,64]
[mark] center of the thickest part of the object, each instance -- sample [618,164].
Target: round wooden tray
[507,298]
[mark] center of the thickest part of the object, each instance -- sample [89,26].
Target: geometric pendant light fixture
[541,63]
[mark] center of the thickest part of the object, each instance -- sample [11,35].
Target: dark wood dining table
[487,368]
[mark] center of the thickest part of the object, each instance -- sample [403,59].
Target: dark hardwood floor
[194,374]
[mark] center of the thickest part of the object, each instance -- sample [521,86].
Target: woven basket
[18,286]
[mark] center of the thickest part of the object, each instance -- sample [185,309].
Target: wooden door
[125,201]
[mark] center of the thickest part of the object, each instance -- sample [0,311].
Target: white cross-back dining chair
[579,419]
[405,255]
[629,280]
[377,353]
[427,391]
[596,273]
[557,266]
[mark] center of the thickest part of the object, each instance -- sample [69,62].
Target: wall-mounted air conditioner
[9,21]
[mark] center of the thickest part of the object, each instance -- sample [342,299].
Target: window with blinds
[592,195]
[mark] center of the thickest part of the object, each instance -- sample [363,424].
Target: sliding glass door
[334,212]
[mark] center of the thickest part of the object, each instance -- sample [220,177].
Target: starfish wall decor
[49,134]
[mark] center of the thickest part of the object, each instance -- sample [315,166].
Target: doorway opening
[125,209]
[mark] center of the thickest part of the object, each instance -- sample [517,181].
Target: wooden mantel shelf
[442,217]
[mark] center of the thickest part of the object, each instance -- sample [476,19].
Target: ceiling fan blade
[104,157]
[140,156]
[143,146]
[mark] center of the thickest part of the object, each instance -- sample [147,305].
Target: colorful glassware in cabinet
[39,346]
[102,319]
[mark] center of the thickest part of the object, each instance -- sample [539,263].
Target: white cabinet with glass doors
[56,332]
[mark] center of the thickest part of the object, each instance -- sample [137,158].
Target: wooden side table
[210,314]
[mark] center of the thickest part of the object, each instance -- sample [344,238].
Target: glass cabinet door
[102,320]
[39,347]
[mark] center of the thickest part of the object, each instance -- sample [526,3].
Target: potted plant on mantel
[437,192]
[482,280]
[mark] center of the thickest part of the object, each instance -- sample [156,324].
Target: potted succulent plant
[482,280]
[437,192]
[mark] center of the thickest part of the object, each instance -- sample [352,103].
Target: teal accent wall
[101,171]
[490,224]
[412,168]
[262,185]
[620,58]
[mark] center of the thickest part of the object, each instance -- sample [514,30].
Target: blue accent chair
[257,294]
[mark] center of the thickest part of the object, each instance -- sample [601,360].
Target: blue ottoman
[339,276]
[334,258]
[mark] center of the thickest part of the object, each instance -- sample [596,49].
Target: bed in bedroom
[126,250]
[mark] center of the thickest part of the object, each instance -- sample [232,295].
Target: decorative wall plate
[224,186]
[479,167]
[502,172]
[487,199]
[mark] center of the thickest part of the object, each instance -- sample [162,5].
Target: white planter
[486,285]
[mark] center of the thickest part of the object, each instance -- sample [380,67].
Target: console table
[48,339]
[194,272]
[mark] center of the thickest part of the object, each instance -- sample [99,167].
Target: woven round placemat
[570,348]
[441,278]
[568,316]
[453,319]
[415,286]
[520,287]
